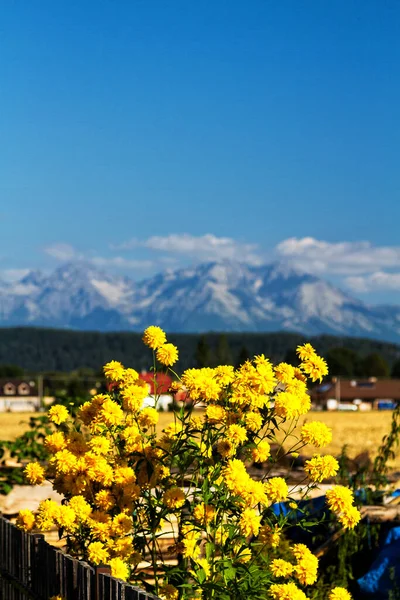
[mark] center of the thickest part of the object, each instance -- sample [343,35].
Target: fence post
[37,569]
[99,570]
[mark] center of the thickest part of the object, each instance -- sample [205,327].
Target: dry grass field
[359,430]
[13,424]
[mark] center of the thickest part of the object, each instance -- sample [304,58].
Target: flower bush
[125,486]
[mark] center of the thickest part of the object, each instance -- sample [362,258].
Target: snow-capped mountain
[226,296]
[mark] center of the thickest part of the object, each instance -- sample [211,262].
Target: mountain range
[215,296]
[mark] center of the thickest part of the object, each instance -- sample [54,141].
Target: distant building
[19,395]
[365,393]
[160,385]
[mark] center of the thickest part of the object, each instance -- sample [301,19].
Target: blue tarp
[379,580]
[313,507]
[310,509]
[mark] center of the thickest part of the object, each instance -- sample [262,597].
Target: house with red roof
[160,384]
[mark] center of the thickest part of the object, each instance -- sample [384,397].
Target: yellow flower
[236,434]
[173,429]
[249,522]
[205,565]
[307,564]
[276,489]
[253,383]
[133,439]
[154,337]
[77,444]
[306,569]
[221,535]
[148,417]
[261,452]
[224,374]
[34,473]
[291,405]
[339,593]
[25,520]
[284,372]
[305,352]
[55,442]
[111,413]
[253,493]
[66,518]
[339,498]
[124,475]
[105,500]
[321,467]
[226,448]
[47,513]
[168,592]
[253,421]
[99,444]
[114,370]
[133,396]
[130,376]
[174,498]
[97,553]
[65,462]
[316,434]
[122,524]
[197,421]
[89,410]
[100,525]
[286,591]
[270,536]
[201,384]
[190,538]
[81,508]
[204,513]
[58,414]
[300,551]
[315,367]
[350,517]
[236,477]
[215,413]
[244,555]
[281,568]
[123,548]
[167,354]
[98,469]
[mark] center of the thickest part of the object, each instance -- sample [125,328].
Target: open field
[359,431]
[14,424]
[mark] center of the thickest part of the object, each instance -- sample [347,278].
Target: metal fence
[31,569]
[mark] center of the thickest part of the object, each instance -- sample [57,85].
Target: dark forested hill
[36,349]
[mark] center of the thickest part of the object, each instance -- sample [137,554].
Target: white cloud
[65,252]
[12,275]
[343,258]
[121,262]
[204,247]
[375,282]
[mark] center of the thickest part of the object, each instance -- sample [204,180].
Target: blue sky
[146,134]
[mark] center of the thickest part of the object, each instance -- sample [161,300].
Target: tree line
[52,351]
